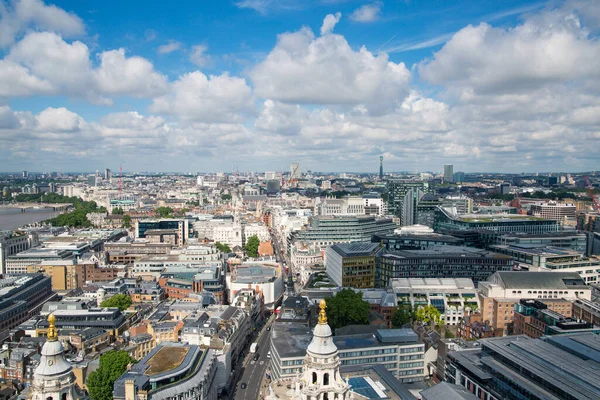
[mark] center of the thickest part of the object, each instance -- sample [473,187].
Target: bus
[253,347]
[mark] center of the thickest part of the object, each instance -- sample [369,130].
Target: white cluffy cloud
[197,97]
[551,47]
[326,70]
[367,13]
[329,22]
[19,15]
[43,63]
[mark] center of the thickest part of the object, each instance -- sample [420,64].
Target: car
[268,328]
[256,357]
[244,386]
[269,354]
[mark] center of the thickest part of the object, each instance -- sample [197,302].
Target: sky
[254,85]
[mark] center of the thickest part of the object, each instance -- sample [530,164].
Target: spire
[322,314]
[52,336]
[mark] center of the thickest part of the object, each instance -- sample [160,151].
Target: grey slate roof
[541,280]
[447,391]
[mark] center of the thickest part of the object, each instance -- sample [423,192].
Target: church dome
[322,343]
[52,361]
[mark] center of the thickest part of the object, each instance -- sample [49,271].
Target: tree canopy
[164,212]
[347,308]
[122,301]
[225,197]
[112,365]
[126,221]
[76,218]
[223,247]
[252,246]
[429,315]
[401,317]
[117,211]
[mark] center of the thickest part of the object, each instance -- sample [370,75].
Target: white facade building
[256,229]
[452,297]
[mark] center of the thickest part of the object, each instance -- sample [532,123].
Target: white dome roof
[322,343]
[52,362]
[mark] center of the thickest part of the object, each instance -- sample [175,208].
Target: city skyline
[332,85]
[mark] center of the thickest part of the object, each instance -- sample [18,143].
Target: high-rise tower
[380,168]
[449,173]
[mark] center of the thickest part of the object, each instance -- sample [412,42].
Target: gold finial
[322,315]
[51,328]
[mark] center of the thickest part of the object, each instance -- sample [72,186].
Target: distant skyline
[506,86]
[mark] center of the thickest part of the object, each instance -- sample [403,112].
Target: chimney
[129,389]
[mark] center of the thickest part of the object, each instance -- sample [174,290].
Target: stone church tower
[53,378]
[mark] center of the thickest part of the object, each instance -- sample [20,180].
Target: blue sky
[332,84]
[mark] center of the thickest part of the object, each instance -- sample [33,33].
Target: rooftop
[165,359]
[433,283]
[539,280]
[355,249]
[447,251]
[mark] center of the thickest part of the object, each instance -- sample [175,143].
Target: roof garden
[166,359]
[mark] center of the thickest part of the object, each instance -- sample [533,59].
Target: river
[13,218]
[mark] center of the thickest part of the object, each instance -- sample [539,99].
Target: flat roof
[447,251]
[291,339]
[433,283]
[165,359]
[355,249]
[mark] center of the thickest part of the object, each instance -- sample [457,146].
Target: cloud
[18,16]
[16,80]
[417,45]
[367,13]
[8,119]
[265,6]
[551,47]
[133,76]
[198,55]
[42,63]
[329,23]
[197,97]
[169,47]
[59,120]
[326,70]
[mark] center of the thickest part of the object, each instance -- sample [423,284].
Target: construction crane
[590,191]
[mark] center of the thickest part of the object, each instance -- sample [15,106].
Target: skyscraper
[294,171]
[380,168]
[107,174]
[403,197]
[449,173]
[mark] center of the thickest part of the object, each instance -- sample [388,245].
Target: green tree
[164,212]
[117,211]
[122,301]
[112,365]
[429,315]
[401,317]
[347,308]
[223,247]
[126,221]
[225,197]
[252,246]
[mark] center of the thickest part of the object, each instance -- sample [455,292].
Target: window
[314,376]
[326,379]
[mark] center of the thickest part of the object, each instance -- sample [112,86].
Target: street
[254,371]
